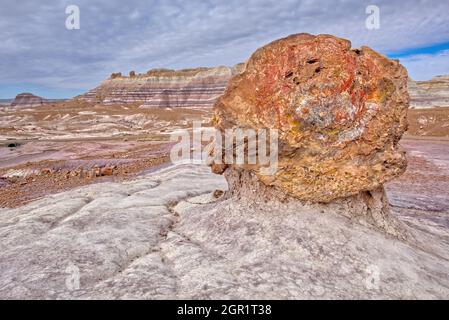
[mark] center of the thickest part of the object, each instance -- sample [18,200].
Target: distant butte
[28,100]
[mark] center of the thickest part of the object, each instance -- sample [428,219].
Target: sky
[39,54]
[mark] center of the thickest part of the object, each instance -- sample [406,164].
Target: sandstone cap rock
[340,113]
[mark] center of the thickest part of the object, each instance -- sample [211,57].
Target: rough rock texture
[28,100]
[340,113]
[165,236]
[164,88]
[431,93]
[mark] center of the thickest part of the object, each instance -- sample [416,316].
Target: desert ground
[91,187]
[57,147]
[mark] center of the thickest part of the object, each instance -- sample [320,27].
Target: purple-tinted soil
[425,184]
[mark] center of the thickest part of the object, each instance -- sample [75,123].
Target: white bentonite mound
[168,235]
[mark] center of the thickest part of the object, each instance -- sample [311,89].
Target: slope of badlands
[431,93]
[164,88]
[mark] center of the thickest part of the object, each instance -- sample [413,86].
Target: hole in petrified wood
[311,61]
[296,81]
[289,74]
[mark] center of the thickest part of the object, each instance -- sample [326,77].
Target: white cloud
[426,66]
[139,35]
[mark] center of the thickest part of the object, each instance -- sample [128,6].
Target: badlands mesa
[92,207]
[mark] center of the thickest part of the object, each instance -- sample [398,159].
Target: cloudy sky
[39,54]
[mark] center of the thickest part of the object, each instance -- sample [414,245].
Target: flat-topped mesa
[28,100]
[198,87]
[339,112]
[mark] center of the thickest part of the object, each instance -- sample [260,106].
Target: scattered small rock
[107,171]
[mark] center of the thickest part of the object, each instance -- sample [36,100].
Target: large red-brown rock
[340,113]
